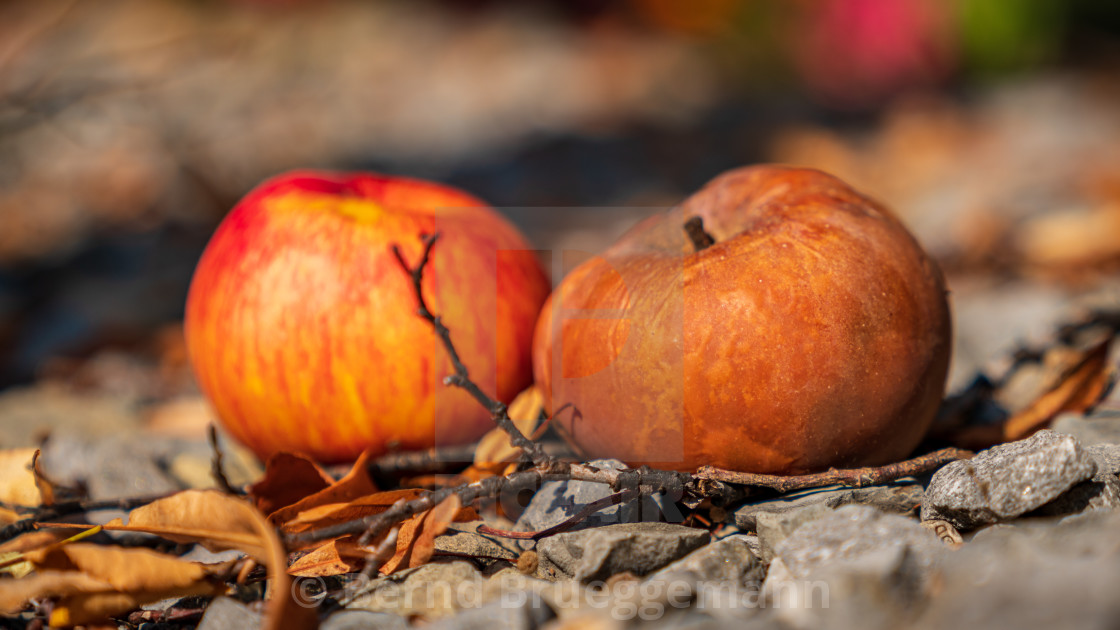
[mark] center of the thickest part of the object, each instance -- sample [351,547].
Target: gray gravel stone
[856,567]
[1107,457]
[722,579]
[363,620]
[1099,427]
[1007,481]
[727,560]
[224,613]
[860,535]
[781,515]
[1036,574]
[462,540]
[498,615]
[436,589]
[557,501]
[596,554]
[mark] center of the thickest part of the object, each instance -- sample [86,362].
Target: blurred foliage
[1000,36]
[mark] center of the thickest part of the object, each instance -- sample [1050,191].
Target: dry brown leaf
[1078,390]
[435,523]
[1071,238]
[17,482]
[334,513]
[335,557]
[219,521]
[494,453]
[355,484]
[46,486]
[416,538]
[92,582]
[211,518]
[288,478]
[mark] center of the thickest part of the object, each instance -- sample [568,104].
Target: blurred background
[129,127]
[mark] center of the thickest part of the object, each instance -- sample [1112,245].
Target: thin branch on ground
[438,460]
[856,477]
[461,378]
[381,554]
[646,481]
[67,508]
[217,470]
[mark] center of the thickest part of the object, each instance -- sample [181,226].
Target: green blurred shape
[1005,36]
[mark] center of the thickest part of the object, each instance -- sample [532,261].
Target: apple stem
[461,377]
[701,240]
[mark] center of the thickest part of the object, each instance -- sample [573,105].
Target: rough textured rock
[1040,575]
[856,567]
[363,620]
[1102,492]
[497,615]
[461,539]
[1099,427]
[774,527]
[722,579]
[861,535]
[557,501]
[897,498]
[596,554]
[1007,481]
[727,560]
[1107,457]
[433,590]
[224,613]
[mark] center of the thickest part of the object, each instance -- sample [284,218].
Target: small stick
[856,477]
[217,471]
[701,240]
[381,553]
[72,507]
[461,378]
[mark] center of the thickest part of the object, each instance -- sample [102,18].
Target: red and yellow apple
[302,327]
[813,333]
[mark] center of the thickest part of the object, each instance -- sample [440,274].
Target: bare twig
[438,460]
[216,469]
[65,508]
[461,378]
[645,480]
[857,477]
[381,553]
[700,239]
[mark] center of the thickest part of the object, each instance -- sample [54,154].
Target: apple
[799,327]
[302,327]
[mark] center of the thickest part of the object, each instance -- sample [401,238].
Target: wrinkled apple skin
[814,333]
[302,327]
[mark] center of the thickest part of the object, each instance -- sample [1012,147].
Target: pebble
[225,612]
[363,620]
[856,567]
[1007,480]
[1033,575]
[1099,427]
[557,501]
[597,554]
[897,498]
[496,615]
